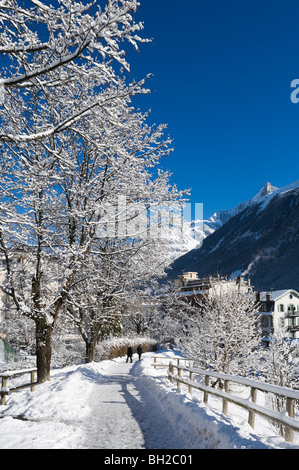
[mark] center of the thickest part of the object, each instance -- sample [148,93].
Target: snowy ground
[115,405]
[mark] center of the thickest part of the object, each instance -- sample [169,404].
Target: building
[190,285]
[279,313]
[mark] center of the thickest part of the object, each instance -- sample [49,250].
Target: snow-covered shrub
[117,347]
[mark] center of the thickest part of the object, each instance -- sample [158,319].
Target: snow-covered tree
[227,330]
[280,361]
[219,329]
[140,313]
[279,366]
[93,307]
[74,153]
[124,255]
[46,47]
[173,318]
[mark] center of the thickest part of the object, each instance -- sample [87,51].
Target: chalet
[279,313]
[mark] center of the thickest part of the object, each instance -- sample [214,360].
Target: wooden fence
[186,375]
[164,361]
[5,390]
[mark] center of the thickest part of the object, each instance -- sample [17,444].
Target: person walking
[139,351]
[129,353]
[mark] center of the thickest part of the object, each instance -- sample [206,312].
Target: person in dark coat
[139,351]
[129,354]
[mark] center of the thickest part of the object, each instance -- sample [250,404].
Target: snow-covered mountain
[198,230]
[259,238]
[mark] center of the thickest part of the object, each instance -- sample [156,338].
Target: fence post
[32,375]
[3,395]
[289,433]
[225,402]
[206,395]
[155,360]
[170,372]
[190,386]
[251,417]
[178,383]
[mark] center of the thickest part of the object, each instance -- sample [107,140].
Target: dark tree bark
[43,350]
[90,350]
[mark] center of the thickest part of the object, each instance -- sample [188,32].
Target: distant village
[278,309]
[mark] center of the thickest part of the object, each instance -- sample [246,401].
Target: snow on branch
[71,31]
[71,120]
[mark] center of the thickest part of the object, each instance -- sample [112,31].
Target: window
[291,308]
[292,322]
[281,308]
[264,322]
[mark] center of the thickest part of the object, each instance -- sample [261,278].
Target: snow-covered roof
[275,294]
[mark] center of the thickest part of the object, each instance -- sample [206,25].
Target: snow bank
[49,416]
[204,426]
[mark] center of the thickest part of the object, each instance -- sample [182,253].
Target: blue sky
[222,74]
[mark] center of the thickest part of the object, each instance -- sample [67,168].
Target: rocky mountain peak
[264,192]
[261,241]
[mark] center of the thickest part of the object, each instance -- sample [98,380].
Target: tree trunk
[90,350]
[43,350]
[91,342]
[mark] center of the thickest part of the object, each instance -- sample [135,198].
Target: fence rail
[185,375]
[167,359]
[5,376]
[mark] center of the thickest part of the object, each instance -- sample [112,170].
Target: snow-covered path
[115,405]
[126,415]
[107,405]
